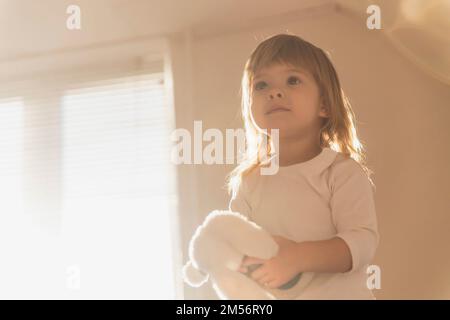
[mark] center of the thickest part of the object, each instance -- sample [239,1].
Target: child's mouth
[277,110]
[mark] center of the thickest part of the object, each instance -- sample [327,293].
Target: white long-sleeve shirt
[327,196]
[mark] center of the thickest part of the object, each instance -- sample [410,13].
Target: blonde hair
[338,131]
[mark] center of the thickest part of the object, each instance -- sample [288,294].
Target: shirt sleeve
[240,202]
[353,211]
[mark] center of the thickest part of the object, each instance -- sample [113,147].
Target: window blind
[115,187]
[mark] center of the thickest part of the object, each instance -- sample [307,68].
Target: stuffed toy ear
[193,276]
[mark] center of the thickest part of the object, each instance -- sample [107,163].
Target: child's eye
[259,85]
[292,80]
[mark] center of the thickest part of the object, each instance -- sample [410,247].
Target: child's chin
[283,131]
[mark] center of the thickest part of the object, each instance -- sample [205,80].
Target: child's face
[287,100]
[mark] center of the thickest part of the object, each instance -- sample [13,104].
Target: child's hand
[277,270]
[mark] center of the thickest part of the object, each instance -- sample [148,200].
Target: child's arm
[353,212]
[353,246]
[331,255]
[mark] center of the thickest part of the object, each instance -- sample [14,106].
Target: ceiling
[29,26]
[419,29]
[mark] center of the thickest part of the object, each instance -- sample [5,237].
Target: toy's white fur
[217,249]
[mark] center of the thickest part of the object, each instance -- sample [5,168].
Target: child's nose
[276,93]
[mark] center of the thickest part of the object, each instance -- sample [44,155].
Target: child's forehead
[279,68]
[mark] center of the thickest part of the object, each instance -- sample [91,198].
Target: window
[109,180]
[118,187]
[11,149]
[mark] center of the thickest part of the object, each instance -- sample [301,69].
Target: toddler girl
[319,205]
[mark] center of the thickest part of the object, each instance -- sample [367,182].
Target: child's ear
[324,112]
[323,109]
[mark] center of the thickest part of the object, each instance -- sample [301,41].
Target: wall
[401,117]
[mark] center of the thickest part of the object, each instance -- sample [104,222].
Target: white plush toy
[217,249]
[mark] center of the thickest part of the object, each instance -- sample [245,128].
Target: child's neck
[293,151]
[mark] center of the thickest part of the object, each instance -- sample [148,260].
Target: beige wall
[401,116]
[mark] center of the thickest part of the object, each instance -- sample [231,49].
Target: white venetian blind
[108,189]
[118,185]
[11,151]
